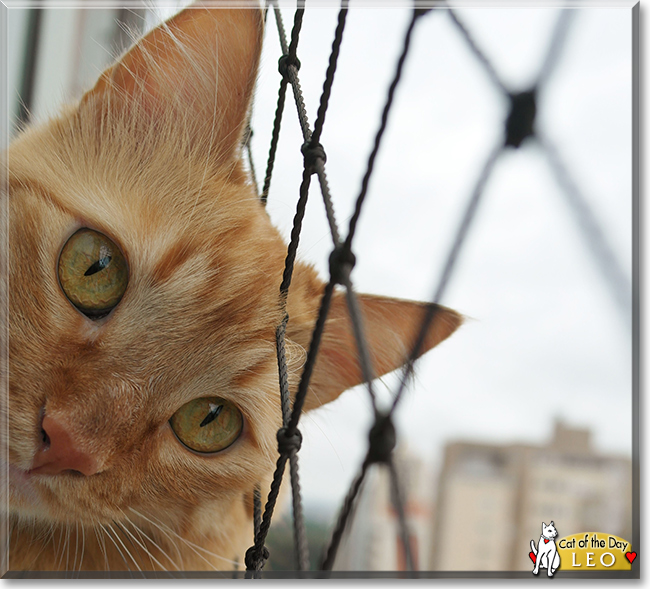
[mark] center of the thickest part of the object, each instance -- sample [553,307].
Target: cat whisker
[135,562]
[139,532]
[116,546]
[188,542]
[53,541]
[5,557]
[193,548]
[174,544]
[172,541]
[120,528]
[83,546]
[76,545]
[43,536]
[61,547]
[152,558]
[67,547]
[100,541]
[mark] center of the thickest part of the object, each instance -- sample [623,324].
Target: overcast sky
[545,338]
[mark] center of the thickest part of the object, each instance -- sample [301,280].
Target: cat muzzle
[59,452]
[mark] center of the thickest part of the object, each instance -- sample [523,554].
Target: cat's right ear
[198,68]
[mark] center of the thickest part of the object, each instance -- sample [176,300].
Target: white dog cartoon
[545,555]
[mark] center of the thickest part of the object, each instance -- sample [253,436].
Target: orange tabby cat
[143,302]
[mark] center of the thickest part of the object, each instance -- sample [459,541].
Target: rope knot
[255,561]
[311,154]
[285,62]
[342,260]
[521,118]
[382,439]
[288,444]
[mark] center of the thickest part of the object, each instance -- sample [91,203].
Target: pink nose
[59,452]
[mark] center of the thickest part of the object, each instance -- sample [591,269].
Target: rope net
[518,127]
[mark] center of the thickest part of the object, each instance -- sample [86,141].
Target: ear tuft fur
[391,327]
[197,69]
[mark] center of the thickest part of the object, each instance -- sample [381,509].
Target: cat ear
[543,526]
[391,327]
[199,67]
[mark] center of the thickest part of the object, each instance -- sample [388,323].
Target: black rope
[292,65]
[354,311]
[381,443]
[398,504]
[593,234]
[382,127]
[295,233]
[288,66]
[288,442]
[382,434]
[314,159]
[277,121]
[258,554]
[485,62]
[257,508]
[341,261]
[252,566]
[283,373]
[299,533]
[452,258]
[346,510]
[308,368]
[275,137]
[519,125]
[329,75]
[248,134]
[280,23]
[556,45]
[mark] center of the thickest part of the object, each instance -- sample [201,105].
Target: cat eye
[208,424]
[92,272]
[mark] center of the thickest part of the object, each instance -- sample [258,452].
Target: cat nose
[59,452]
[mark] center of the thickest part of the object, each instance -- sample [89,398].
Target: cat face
[144,294]
[549,531]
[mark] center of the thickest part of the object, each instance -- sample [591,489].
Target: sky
[544,339]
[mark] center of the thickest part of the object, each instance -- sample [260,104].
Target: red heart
[532,557]
[545,541]
[630,556]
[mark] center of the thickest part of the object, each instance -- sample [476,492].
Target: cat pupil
[210,417]
[98,266]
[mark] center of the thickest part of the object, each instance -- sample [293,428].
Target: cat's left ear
[391,327]
[199,67]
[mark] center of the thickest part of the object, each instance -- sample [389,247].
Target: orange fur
[150,157]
